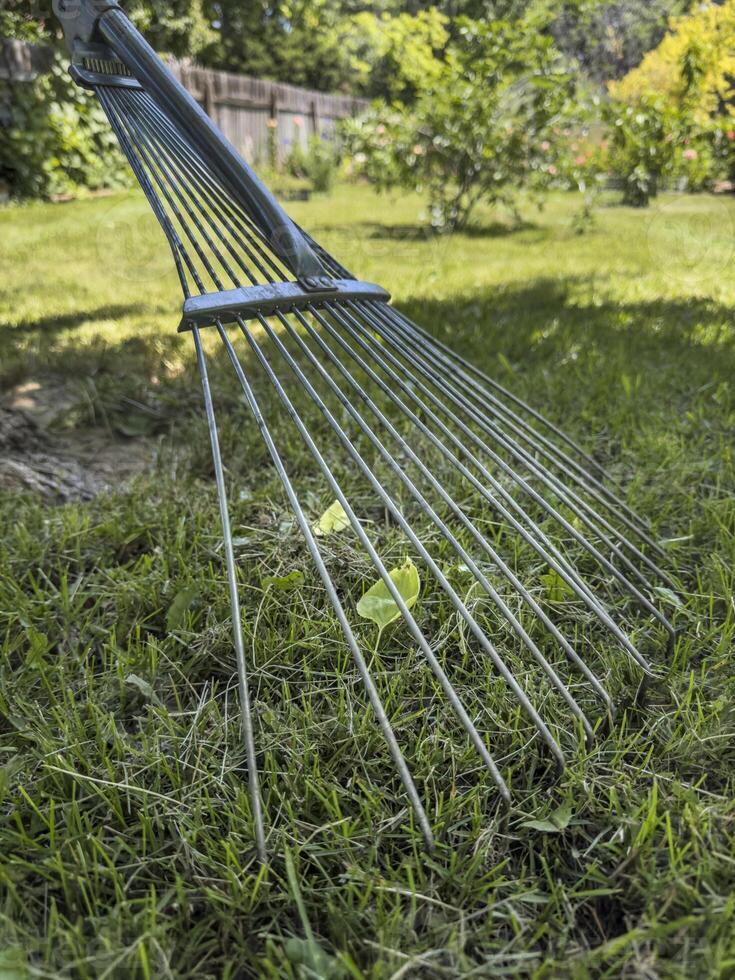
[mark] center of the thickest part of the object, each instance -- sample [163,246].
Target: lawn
[126,839]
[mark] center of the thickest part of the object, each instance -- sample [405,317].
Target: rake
[458,464]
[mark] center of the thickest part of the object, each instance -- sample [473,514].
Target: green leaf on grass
[314,961]
[284,583]
[668,595]
[132,680]
[377,604]
[557,590]
[182,602]
[333,519]
[13,964]
[557,820]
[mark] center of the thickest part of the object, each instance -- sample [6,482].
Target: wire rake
[461,465]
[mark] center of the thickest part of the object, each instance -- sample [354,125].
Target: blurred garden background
[471,100]
[547,187]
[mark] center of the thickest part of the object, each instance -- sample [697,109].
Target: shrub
[57,139]
[643,140]
[317,163]
[476,129]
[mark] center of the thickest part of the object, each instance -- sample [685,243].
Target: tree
[394,56]
[480,127]
[693,67]
[609,38]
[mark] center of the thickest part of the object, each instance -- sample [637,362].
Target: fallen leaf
[333,519]
[557,590]
[284,583]
[145,689]
[182,602]
[378,605]
[557,820]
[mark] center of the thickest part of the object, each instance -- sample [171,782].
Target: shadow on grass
[561,323]
[588,365]
[70,321]
[379,231]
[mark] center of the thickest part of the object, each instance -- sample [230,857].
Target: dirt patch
[36,454]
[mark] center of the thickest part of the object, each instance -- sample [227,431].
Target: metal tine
[194,185]
[464,370]
[460,606]
[247,226]
[242,670]
[161,184]
[456,509]
[358,658]
[418,636]
[398,470]
[178,248]
[216,228]
[517,626]
[578,506]
[537,540]
[181,183]
[165,171]
[590,489]
[160,171]
[236,282]
[164,126]
[243,225]
[505,393]
[537,497]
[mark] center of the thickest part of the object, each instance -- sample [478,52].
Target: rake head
[471,482]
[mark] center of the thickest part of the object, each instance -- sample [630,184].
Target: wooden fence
[254,114]
[251,112]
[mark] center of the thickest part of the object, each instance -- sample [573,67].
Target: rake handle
[109,21]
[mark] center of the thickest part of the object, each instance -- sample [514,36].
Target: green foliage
[332,520]
[609,38]
[379,606]
[693,67]
[317,163]
[179,27]
[57,139]
[476,129]
[642,143]
[395,57]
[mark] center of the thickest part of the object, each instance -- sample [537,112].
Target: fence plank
[240,105]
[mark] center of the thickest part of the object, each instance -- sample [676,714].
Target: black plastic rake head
[468,476]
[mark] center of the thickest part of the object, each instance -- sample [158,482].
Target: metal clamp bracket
[96,64]
[280,297]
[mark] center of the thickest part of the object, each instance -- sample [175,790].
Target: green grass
[126,843]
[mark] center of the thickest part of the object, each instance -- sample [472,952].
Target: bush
[475,131]
[317,163]
[643,139]
[57,139]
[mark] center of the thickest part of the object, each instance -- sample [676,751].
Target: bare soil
[38,455]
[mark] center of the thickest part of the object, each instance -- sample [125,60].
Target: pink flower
[552,169]
[546,146]
[580,160]
[730,134]
[298,120]
[380,129]
[690,154]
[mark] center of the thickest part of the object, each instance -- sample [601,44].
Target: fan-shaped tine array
[470,475]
